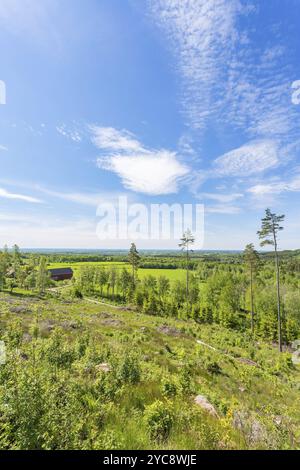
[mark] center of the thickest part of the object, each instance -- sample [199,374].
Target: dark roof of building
[57,271]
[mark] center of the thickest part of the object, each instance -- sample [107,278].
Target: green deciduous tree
[102,279]
[43,279]
[124,282]
[112,279]
[163,286]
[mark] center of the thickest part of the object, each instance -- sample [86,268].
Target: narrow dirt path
[198,341]
[58,289]
[98,302]
[243,360]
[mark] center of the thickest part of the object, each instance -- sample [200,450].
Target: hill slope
[83,375]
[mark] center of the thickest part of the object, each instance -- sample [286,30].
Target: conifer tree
[134,259]
[270,226]
[186,241]
[251,258]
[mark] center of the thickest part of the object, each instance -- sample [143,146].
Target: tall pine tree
[270,226]
[186,241]
[134,259]
[252,261]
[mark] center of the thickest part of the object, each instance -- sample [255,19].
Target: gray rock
[203,402]
[103,367]
[169,330]
[253,431]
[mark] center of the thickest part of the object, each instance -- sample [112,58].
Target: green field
[171,274]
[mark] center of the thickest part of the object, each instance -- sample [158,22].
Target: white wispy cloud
[222,209]
[69,133]
[116,140]
[251,158]
[2,147]
[258,95]
[185,146]
[228,77]
[202,34]
[150,171]
[223,198]
[276,187]
[8,195]
[83,198]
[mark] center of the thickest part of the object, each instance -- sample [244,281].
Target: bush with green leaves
[213,368]
[169,387]
[128,370]
[284,363]
[159,420]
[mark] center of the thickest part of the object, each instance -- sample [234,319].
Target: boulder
[103,367]
[168,330]
[253,431]
[203,402]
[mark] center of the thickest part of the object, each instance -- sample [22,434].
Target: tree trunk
[252,308]
[278,296]
[187,277]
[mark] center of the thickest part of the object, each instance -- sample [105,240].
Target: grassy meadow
[87,376]
[178,274]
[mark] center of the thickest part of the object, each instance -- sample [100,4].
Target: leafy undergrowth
[84,376]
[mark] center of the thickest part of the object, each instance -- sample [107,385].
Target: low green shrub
[159,420]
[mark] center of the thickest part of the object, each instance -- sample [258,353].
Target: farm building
[60,274]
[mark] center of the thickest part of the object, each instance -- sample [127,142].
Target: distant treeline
[167,260]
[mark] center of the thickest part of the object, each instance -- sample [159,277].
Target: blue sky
[164,101]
